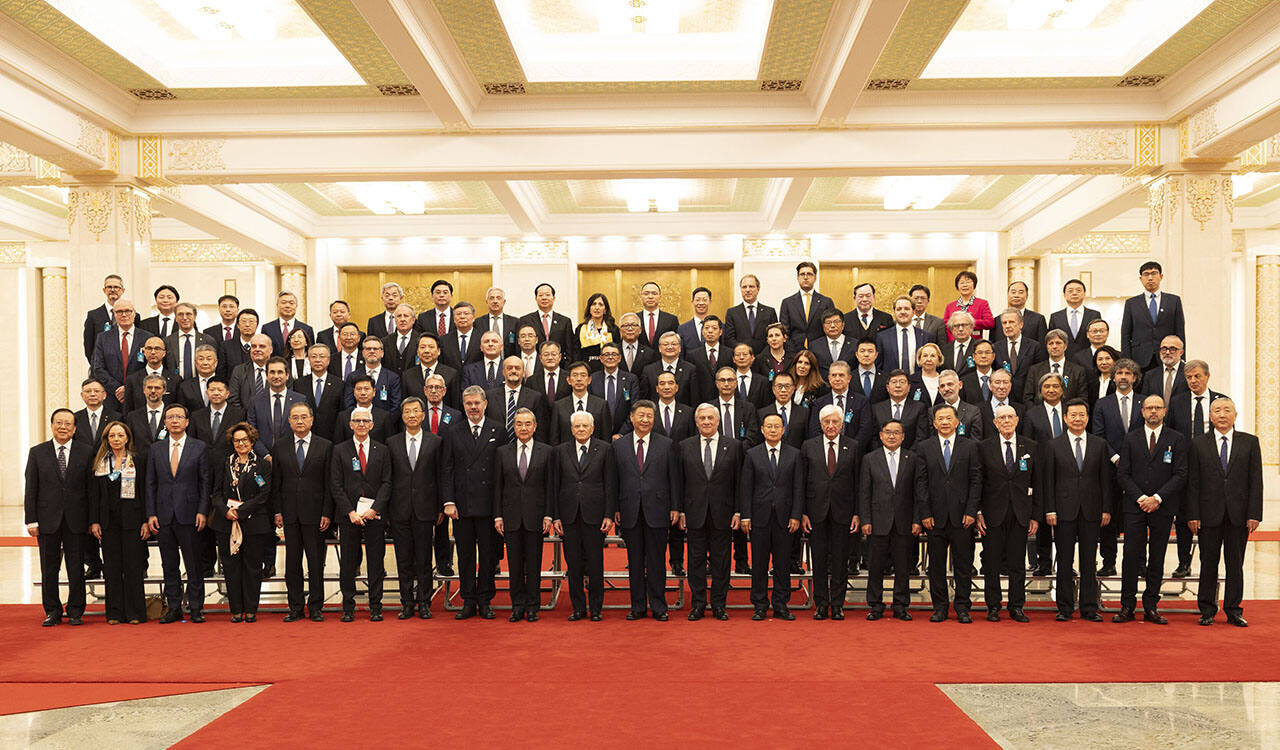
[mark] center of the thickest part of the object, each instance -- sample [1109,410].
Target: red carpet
[615,683]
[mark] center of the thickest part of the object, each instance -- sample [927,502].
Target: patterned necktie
[742,387]
[580,406]
[640,454]
[62,461]
[783,414]
[258,382]
[441,328]
[893,468]
[1013,356]
[1075,323]
[404,341]
[986,389]
[93,425]
[319,389]
[462,345]
[524,460]
[124,354]
[1008,455]
[475,432]
[551,389]
[897,412]
[866,384]
[831,458]
[493,373]
[350,366]
[511,416]
[284,332]
[1222,455]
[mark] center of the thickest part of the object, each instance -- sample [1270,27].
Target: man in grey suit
[931,324]
[250,378]
[893,496]
[177,496]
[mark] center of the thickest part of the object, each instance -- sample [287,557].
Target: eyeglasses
[362,421]
[1170,348]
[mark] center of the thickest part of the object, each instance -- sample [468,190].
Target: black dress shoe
[697,613]
[902,614]
[662,617]
[873,615]
[1017,615]
[964,617]
[196,616]
[375,616]
[938,615]
[1106,571]
[1063,617]
[405,613]
[596,617]
[486,612]
[444,572]
[720,614]
[424,612]
[93,572]
[758,615]
[77,620]
[741,569]
[796,568]
[1092,617]
[1182,571]
[52,620]
[677,571]
[1205,620]
[1124,615]
[531,615]
[467,611]
[317,616]
[293,617]
[783,614]
[635,615]
[172,615]
[1238,621]
[820,613]
[517,615]
[269,573]
[1151,615]
[837,613]
[237,618]
[251,618]
[348,616]
[993,615]
[577,615]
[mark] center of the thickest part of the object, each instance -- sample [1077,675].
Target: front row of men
[947,486]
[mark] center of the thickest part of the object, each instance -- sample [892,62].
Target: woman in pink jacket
[966,283]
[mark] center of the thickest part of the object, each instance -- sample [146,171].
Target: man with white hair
[958,355]
[830,463]
[710,464]
[360,480]
[505,326]
[1008,511]
[583,507]
[383,323]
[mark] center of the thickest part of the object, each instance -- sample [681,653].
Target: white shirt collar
[1150,432]
[97,411]
[635,439]
[890,454]
[528,445]
[305,438]
[57,445]
[952,438]
[773,446]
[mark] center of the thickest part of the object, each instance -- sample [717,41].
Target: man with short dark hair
[653,321]
[100,319]
[864,320]
[893,495]
[56,511]
[650,497]
[771,500]
[747,321]
[177,496]
[303,501]
[1034,325]
[802,312]
[954,473]
[472,448]
[162,323]
[1074,319]
[420,477]
[523,488]
[228,310]
[546,322]
[285,324]
[1150,317]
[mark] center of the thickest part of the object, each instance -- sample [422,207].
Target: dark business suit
[561,428]
[1181,416]
[522,502]
[262,415]
[1030,352]
[338,363]
[219,334]
[1079,496]
[537,384]
[330,404]
[428,321]
[473,460]
[1034,327]
[891,508]
[1074,380]
[383,426]
[1153,381]
[911,413]
[954,492]
[243,383]
[878,320]
[710,504]
[800,329]
[963,364]
[889,348]
[859,424]
[124,554]
[970,422]
[96,321]
[133,395]
[243,570]
[821,349]
[1140,337]
[451,352]
[642,358]
[510,327]
[1224,501]
[175,344]
[83,431]
[273,331]
[989,415]
[686,382]
[1106,421]
[1061,320]
[625,390]
[1142,472]
[202,428]
[156,327]
[797,422]
[417,500]
[414,379]
[139,422]
[59,503]
[301,497]
[971,386]
[1039,428]
[380,327]
[586,494]
[386,391]
[647,493]
[232,354]
[561,331]
[879,384]
[192,395]
[497,410]
[176,500]
[746,421]
[400,361]
[663,322]
[770,495]
[830,504]
[1008,505]
[348,482]
[704,369]
[477,373]
[738,329]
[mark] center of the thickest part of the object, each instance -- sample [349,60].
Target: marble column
[54,336]
[1024,270]
[1266,394]
[294,279]
[1191,215]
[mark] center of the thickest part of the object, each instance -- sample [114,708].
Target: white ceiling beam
[852,44]
[498,225]
[1098,200]
[273,204]
[521,202]
[30,222]
[787,199]
[213,212]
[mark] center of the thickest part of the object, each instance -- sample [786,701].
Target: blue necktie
[1008,455]
[946,454]
[751,317]
[302,453]
[1057,424]
[783,414]
[1155,311]
[866,384]
[319,389]
[186,355]
[986,390]
[511,416]
[742,389]
[906,363]
[1222,455]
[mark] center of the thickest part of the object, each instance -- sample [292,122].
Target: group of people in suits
[727,440]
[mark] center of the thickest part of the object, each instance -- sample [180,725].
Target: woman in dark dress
[117,518]
[1101,384]
[774,359]
[808,379]
[241,517]
[298,344]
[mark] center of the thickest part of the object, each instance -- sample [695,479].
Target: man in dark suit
[505,326]
[523,488]
[1017,351]
[56,511]
[1189,414]
[472,448]
[503,402]
[228,309]
[976,384]
[360,482]
[387,392]
[1073,319]
[1153,476]
[867,380]
[178,483]
[691,330]
[304,507]
[100,319]
[921,317]
[585,501]
[794,416]
[650,495]
[147,421]
[461,346]
[550,382]
[192,390]
[348,356]
[579,400]
[864,320]
[340,315]
[249,378]
[418,474]
[672,419]
[738,419]
[771,499]
[1150,317]
[710,466]
[893,495]
[184,342]
[834,346]
[1034,325]
[654,322]
[858,422]
[1168,378]
[153,352]
[383,423]
[383,323]
[1008,511]
[269,410]
[1097,334]
[414,377]
[1045,421]
[670,361]
[745,323]
[897,408]
[710,356]
[889,342]
[1078,482]
[438,319]
[1057,362]
[439,420]
[324,385]
[753,385]
[401,345]
[615,385]
[1224,506]
[958,354]
[547,323]
[955,485]
[237,351]
[94,416]
[1114,416]
[802,312]
[1001,384]
[635,355]
[970,418]
[830,462]
[486,371]
[162,323]
[210,424]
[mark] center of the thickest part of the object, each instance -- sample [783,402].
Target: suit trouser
[57,545]
[177,541]
[1138,548]
[243,571]
[740,546]
[351,538]
[1226,541]
[895,545]
[304,539]
[709,544]
[830,542]
[1003,547]
[92,553]
[1109,542]
[959,540]
[1067,536]
[124,560]
[269,544]
[676,538]
[1185,542]
[857,553]
[413,545]
[584,552]
[646,573]
[443,544]
[475,534]
[524,560]
[208,542]
[770,540]
[1040,549]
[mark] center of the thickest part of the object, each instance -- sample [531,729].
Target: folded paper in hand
[363,504]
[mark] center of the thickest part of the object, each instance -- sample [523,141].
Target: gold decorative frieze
[1184,140]
[1204,125]
[13,252]
[1155,204]
[1100,144]
[1108,243]
[195,154]
[197,251]
[1266,372]
[1146,148]
[776,247]
[1228,198]
[150,161]
[1202,199]
[535,251]
[92,139]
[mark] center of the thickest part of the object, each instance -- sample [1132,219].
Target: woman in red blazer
[966,283]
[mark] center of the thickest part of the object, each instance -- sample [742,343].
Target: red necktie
[360,453]
[640,454]
[284,326]
[440,329]
[124,355]
[226,336]
[831,458]
[546,325]
[653,328]
[435,420]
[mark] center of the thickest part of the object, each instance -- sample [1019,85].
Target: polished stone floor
[1133,716]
